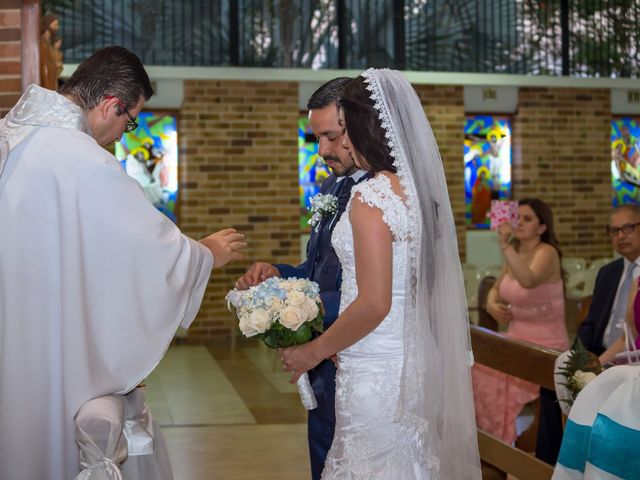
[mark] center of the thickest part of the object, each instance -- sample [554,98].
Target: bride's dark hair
[364,127]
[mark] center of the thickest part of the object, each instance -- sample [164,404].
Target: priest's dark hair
[111,71]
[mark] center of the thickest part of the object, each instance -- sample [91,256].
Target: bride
[404,405]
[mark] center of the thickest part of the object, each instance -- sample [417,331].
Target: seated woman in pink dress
[529,297]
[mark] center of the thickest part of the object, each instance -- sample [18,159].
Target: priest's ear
[108,106]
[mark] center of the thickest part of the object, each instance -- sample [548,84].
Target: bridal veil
[436,398]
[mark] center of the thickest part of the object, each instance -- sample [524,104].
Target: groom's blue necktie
[345,192]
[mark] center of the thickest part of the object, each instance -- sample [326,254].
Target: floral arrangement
[322,206]
[281,312]
[580,367]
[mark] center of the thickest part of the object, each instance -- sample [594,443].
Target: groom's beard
[338,168]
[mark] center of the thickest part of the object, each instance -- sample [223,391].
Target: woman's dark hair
[545,217]
[113,71]
[364,127]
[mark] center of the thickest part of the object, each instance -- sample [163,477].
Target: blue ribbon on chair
[575,445]
[614,448]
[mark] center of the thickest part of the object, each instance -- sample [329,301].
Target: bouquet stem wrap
[306,392]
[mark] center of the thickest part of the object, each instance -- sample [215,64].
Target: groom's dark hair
[327,94]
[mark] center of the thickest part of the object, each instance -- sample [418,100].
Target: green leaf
[317,325]
[303,334]
[270,339]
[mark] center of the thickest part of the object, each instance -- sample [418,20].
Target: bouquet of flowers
[576,368]
[281,312]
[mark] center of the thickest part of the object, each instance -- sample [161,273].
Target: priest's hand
[225,245]
[257,273]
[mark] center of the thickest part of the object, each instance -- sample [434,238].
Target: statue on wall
[50,56]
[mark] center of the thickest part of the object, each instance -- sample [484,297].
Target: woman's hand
[299,359]
[504,233]
[500,312]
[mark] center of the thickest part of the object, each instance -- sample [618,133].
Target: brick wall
[444,107]
[562,155]
[10,54]
[238,146]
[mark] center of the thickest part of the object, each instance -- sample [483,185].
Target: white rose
[260,320]
[310,309]
[296,299]
[299,283]
[276,304]
[256,322]
[292,318]
[245,326]
[582,378]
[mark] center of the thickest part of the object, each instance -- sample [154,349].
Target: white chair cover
[99,436]
[599,263]
[580,283]
[118,440]
[472,278]
[602,434]
[562,392]
[572,264]
[492,271]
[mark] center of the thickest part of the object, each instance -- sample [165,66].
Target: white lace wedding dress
[368,443]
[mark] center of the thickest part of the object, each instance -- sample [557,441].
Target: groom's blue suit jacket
[323,267]
[322,264]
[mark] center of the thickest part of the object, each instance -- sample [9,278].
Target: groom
[322,264]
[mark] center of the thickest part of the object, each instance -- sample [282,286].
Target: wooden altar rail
[523,360]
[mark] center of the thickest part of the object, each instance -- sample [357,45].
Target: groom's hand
[257,273]
[225,245]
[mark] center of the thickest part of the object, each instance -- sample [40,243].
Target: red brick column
[562,154]
[10,54]
[239,167]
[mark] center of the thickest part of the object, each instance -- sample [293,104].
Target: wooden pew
[529,362]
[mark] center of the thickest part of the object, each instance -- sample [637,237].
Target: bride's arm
[372,243]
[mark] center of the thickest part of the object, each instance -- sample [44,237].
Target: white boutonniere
[322,206]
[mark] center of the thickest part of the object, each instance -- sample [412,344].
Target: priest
[94,281]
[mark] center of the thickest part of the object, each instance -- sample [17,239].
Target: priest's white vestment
[94,282]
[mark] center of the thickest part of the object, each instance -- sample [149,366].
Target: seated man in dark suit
[602,326]
[322,264]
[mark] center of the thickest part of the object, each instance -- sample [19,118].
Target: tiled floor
[229,414]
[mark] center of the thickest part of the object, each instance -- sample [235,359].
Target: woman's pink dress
[537,317]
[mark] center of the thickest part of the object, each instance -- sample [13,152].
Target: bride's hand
[299,359]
